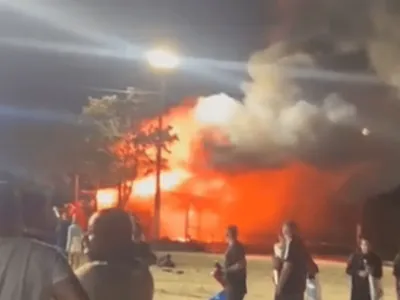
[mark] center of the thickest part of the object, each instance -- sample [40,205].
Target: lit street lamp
[163,61]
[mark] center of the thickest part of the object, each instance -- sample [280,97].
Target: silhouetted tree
[123,132]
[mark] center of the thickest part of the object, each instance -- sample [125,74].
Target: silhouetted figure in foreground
[113,271]
[235,267]
[141,248]
[365,269]
[396,274]
[29,269]
[293,276]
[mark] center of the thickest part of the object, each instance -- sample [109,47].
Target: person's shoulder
[89,268]
[238,245]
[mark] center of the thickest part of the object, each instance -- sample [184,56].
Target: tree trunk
[187,221]
[120,193]
[126,194]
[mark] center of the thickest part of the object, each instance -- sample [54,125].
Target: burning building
[280,152]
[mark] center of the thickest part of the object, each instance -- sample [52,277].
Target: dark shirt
[296,254]
[396,272]
[143,252]
[235,280]
[360,285]
[396,266]
[62,233]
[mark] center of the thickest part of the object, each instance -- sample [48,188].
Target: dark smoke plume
[284,116]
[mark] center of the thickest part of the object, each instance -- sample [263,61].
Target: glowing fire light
[258,201]
[215,110]
[169,180]
[106,198]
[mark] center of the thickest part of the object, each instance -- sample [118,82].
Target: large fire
[199,201]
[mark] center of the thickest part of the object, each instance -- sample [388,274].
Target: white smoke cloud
[273,121]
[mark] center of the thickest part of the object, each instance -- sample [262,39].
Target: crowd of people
[118,259]
[117,264]
[295,273]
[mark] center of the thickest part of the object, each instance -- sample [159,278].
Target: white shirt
[28,269]
[74,239]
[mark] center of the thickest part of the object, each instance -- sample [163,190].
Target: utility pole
[159,145]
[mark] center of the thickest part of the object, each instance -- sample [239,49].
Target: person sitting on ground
[29,269]
[165,261]
[113,272]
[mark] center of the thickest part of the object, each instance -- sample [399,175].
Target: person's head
[290,230]
[64,216]
[11,215]
[232,233]
[74,219]
[365,246]
[110,234]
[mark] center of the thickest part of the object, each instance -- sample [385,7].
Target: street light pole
[163,61]
[157,196]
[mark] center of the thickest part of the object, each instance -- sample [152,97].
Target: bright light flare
[365,132]
[106,198]
[162,59]
[215,110]
[145,187]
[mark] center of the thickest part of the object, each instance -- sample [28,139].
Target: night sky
[55,54]
[35,73]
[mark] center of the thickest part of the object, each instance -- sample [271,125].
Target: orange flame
[200,202]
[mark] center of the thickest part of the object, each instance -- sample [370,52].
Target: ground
[196,282]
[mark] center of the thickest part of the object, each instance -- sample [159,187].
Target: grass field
[196,282]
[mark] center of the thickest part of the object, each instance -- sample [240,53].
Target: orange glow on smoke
[206,201]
